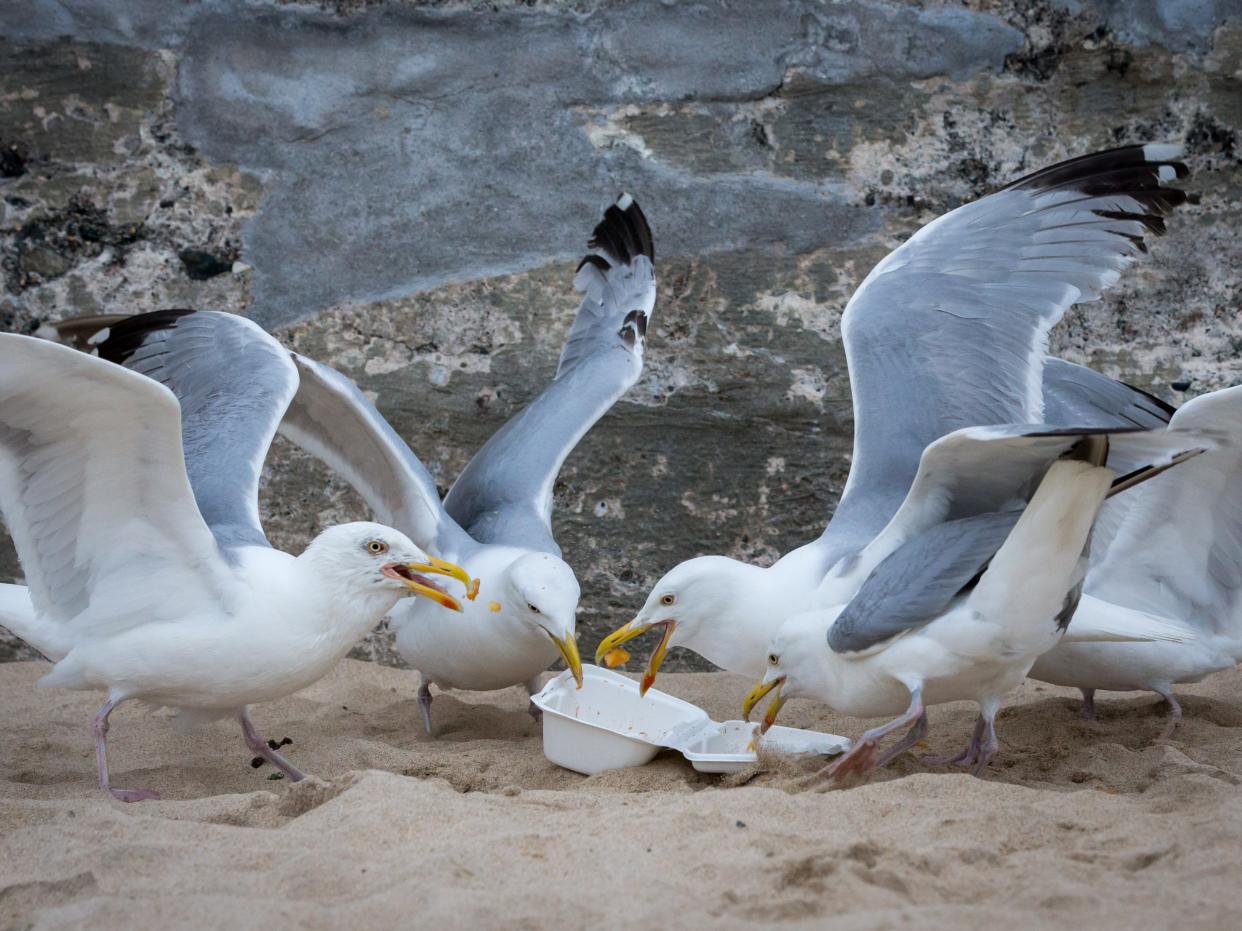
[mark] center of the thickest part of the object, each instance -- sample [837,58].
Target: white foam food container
[729,746]
[607,724]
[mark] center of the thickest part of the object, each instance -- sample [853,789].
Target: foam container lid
[607,724]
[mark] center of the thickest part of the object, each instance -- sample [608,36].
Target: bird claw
[859,761]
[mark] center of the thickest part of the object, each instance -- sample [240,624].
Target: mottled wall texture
[402,190]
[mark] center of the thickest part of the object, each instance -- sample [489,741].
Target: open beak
[629,632]
[756,695]
[568,645]
[412,575]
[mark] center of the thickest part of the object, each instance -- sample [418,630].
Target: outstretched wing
[504,495]
[334,421]
[94,491]
[1177,550]
[949,330]
[233,382]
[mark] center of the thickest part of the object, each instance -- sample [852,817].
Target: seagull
[948,331]
[1168,552]
[496,520]
[134,509]
[962,590]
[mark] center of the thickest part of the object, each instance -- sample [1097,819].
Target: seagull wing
[949,330]
[1075,394]
[94,492]
[915,583]
[1177,550]
[981,470]
[233,382]
[504,495]
[334,421]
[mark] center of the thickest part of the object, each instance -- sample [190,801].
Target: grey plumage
[233,383]
[1075,394]
[916,583]
[949,330]
[969,491]
[504,495]
[334,421]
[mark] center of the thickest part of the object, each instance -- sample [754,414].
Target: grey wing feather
[949,330]
[917,581]
[334,421]
[504,495]
[233,382]
[1075,394]
[981,470]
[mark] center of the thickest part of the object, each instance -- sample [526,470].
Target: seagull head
[375,558]
[796,660]
[541,590]
[685,604]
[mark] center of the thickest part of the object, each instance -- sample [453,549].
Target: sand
[1083,822]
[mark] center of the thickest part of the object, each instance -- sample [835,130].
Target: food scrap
[615,657]
[494,607]
[473,591]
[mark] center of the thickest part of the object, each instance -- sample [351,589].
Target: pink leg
[967,756]
[424,706]
[101,757]
[532,709]
[1175,713]
[989,745]
[917,733]
[256,743]
[1088,704]
[861,759]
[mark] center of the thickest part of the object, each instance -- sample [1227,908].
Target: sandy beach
[1089,822]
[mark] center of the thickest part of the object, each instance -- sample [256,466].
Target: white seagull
[148,572]
[1170,551]
[496,520]
[948,331]
[972,579]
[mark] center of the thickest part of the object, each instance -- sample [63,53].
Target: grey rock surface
[403,189]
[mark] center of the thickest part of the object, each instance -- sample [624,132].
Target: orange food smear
[616,657]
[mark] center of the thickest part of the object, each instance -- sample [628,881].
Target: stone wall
[403,189]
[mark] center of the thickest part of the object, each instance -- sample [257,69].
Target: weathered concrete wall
[401,189]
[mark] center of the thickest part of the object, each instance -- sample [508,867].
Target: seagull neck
[732,630]
[343,606]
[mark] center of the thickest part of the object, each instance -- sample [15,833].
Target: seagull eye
[773,659]
[532,607]
[668,599]
[376,547]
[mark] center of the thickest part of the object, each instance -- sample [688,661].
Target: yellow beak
[569,653]
[629,632]
[435,566]
[755,695]
[414,576]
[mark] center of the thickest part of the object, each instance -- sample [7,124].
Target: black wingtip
[1164,407]
[124,338]
[623,232]
[1137,172]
